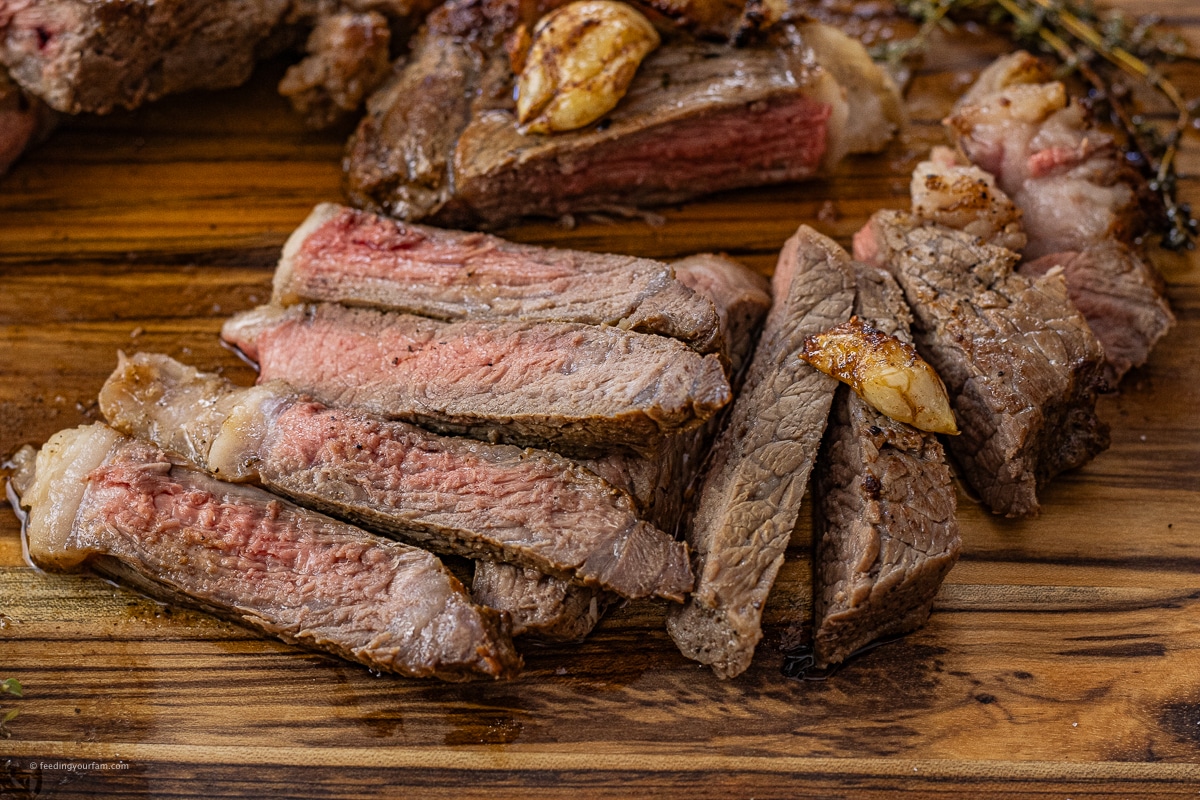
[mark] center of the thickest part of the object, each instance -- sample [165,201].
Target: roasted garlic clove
[885,372]
[583,57]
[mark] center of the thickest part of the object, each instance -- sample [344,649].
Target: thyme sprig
[1092,44]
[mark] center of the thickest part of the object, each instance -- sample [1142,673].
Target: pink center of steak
[356,245]
[518,499]
[294,572]
[409,367]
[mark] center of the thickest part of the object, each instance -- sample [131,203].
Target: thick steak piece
[356,258]
[578,388]
[540,606]
[449,494]
[886,531]
[1020,362]
[440,140]
[99,497]
[99,55]
[750,496]
[1122,296]
[550,608]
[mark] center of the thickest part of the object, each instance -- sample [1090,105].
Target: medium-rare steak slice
[96,496]
[449,494]
[83,55]
[355,258]
[886,533]
[550,608]
[749,498]
[579,388]
[440,140]
[1020,362]
[1080,201]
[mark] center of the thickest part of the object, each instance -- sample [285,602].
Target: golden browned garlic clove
[885,372]
[583,57]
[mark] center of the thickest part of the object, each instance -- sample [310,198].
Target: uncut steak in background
[440,140]
[24,120]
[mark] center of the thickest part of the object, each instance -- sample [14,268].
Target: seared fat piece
[1080,202]
[577,388]
[440,140]
[886,533]
[549,608]
[356,258]
[1020,363]
[123,506]
[449,494]
[749,499]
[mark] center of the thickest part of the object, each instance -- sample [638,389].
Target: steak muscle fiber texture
[886,532]
[579,388]
[749,499]
[356,258]
[1020,362]
[450,494]
[550,608]
[125,507]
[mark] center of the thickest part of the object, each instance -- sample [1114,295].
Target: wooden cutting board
[1062,659]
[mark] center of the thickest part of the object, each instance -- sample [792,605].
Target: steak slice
[1122,296]
[580,388]
[448,494]
[540,606]
[1081,202]
[750,496]
[1021,365]
[295,574]
[440,140]
[886,531]
[87,56]
[552,609]
[360,259]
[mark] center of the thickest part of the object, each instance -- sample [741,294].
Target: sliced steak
[550,608]
[1122,296]
[1080,201]
[449,494]
[541,607]
[360,259]
[440,140]
[1020,362]
[81,55]
[749,498]
[96,496]
[579,388]
[886,531]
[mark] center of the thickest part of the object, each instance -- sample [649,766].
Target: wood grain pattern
[1062,660]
